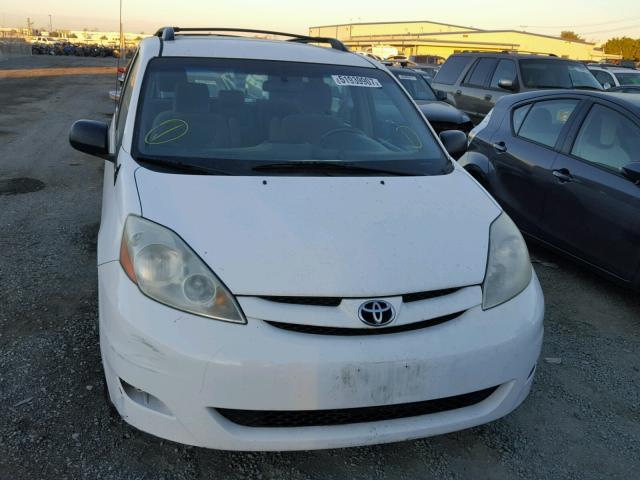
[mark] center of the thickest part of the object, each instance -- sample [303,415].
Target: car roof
[614,69]
[237,47]
[631,102]
[515,56]
[395,70]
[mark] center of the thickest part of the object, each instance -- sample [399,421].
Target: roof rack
[509,52]
[168,34]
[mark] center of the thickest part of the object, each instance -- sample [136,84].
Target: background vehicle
[626,89]
[475,81]
[428,71]
[566,166]
[610,77]
[441,115]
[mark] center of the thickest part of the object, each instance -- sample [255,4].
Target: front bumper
[188,367]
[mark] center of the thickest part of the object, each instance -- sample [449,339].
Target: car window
[451,70]
[234,115]
[630,78]
[607,138]
[603,77]
[547,73]
[506,70]
[544,121]
[125,100]
[480,72]
[416,85]
[518,117]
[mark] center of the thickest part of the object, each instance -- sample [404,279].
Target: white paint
[313,236]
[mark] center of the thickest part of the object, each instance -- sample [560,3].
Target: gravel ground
[581,421]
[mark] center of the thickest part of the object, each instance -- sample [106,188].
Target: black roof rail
[509,52]
[168,33]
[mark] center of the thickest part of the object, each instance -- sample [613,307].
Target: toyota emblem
[376,313]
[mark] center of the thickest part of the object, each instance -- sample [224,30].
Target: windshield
[416,85]
[629,78]
[556,74]
[234,115]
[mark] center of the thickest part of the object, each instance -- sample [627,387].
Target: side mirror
[507,84]
[455,142]
[440,95]
[632,172]
[606,85]
[90,137]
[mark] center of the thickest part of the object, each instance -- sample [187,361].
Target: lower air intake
[345,416]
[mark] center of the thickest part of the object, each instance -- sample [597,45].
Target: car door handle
[500,147]
[563,175]
[488,97]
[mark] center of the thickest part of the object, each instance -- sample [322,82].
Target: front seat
[197,127]
[316,118]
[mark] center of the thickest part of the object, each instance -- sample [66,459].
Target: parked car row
[79,49]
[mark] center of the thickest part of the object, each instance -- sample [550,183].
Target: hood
[328,236]
[436,111]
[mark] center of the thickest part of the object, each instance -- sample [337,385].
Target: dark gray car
[475,81]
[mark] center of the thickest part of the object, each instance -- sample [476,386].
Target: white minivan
[290,259]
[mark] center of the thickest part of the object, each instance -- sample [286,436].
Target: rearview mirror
[632,172]
[455,142]
[440,95]
[90,137]
[507,84]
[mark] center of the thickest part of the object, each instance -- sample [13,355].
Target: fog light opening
[145,399]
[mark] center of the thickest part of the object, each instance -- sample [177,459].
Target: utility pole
[121,33]
[29,26]
[50,25]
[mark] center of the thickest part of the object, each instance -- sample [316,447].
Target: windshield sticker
[407,77]
[351,81]
[166,132]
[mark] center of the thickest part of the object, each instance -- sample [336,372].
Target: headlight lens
[168,271]
[509,268]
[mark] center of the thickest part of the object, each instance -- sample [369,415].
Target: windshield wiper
[327,167]
[180,166]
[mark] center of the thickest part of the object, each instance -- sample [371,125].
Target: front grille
[315,301]
[317,330]
[416,297]
[335,301]
[345,416]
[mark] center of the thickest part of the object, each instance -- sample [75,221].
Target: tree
[629,48]
[571,36]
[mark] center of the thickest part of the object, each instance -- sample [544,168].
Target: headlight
[165,269]
[508,267]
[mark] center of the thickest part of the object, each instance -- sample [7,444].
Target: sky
[596,20]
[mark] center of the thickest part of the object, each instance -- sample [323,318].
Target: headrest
[230,98]
[317,97]
[191,98]
[608,133]
[540,118]
[167,81]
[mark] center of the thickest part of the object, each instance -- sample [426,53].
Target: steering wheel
[337,131]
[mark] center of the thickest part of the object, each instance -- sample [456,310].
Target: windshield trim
[138,157]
